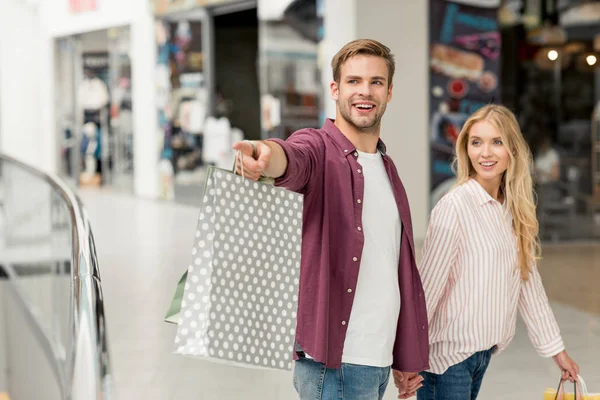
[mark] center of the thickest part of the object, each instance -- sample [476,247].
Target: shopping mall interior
[114,114]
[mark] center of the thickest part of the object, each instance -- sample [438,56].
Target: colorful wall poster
[464,59]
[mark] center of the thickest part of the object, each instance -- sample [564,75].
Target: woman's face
[488,154]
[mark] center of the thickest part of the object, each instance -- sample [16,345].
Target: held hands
[568,367]
[256,157]
[407,383]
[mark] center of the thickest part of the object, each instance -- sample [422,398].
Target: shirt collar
[481,195]
[341,139]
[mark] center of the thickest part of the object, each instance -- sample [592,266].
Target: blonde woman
[479,262]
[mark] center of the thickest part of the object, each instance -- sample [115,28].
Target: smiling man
[361,308]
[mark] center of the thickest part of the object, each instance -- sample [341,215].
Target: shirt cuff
[289,171]
[552,348]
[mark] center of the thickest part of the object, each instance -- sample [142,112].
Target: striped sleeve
[439,252]
[541,325]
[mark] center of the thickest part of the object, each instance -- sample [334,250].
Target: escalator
[53,342]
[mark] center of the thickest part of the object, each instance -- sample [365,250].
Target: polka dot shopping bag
[239,300]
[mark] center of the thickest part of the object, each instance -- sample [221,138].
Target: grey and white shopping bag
[240,297]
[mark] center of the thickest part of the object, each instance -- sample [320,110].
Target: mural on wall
[464,75]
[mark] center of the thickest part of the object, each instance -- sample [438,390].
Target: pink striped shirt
[472,284]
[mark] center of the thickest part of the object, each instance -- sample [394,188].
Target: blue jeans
[352,382]
[460,382]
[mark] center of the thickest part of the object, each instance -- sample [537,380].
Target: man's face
[363,92]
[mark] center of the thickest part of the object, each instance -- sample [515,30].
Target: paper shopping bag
[580,392]
[240,296]
[172,315]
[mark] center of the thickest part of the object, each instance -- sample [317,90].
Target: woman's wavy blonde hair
[516,185]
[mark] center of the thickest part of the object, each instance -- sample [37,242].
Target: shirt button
[343,322]
[345,151]
[359,229]
[359,201]
[355,259]
[359,171]
[355,154]
[349,290]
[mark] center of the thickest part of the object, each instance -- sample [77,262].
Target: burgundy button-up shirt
[323,166]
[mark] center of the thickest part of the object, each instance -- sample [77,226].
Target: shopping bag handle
[239,158]
[560,391]
[579,383]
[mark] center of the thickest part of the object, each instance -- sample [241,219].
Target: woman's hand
[568,367]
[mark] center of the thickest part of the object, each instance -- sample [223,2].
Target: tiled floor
[144,246]
[572,274]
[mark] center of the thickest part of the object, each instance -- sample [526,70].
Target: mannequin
[93,97]
[90,149]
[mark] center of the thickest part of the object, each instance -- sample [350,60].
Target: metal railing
[80,360]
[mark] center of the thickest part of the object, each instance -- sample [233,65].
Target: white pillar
[402,26]
[50,136]
[147,138]
[340,27]
[20,125]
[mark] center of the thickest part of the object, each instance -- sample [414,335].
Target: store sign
[79,6]
[161,7]
[95,61]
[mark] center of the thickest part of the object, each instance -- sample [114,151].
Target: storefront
[554,89]
[540,59]
[94,108]
[101,53]
[230,70]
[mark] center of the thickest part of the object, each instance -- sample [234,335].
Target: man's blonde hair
[366,47]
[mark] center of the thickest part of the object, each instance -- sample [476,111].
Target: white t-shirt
[374,317]
[544,163]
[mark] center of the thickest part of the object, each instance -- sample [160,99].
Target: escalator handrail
[86,367]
